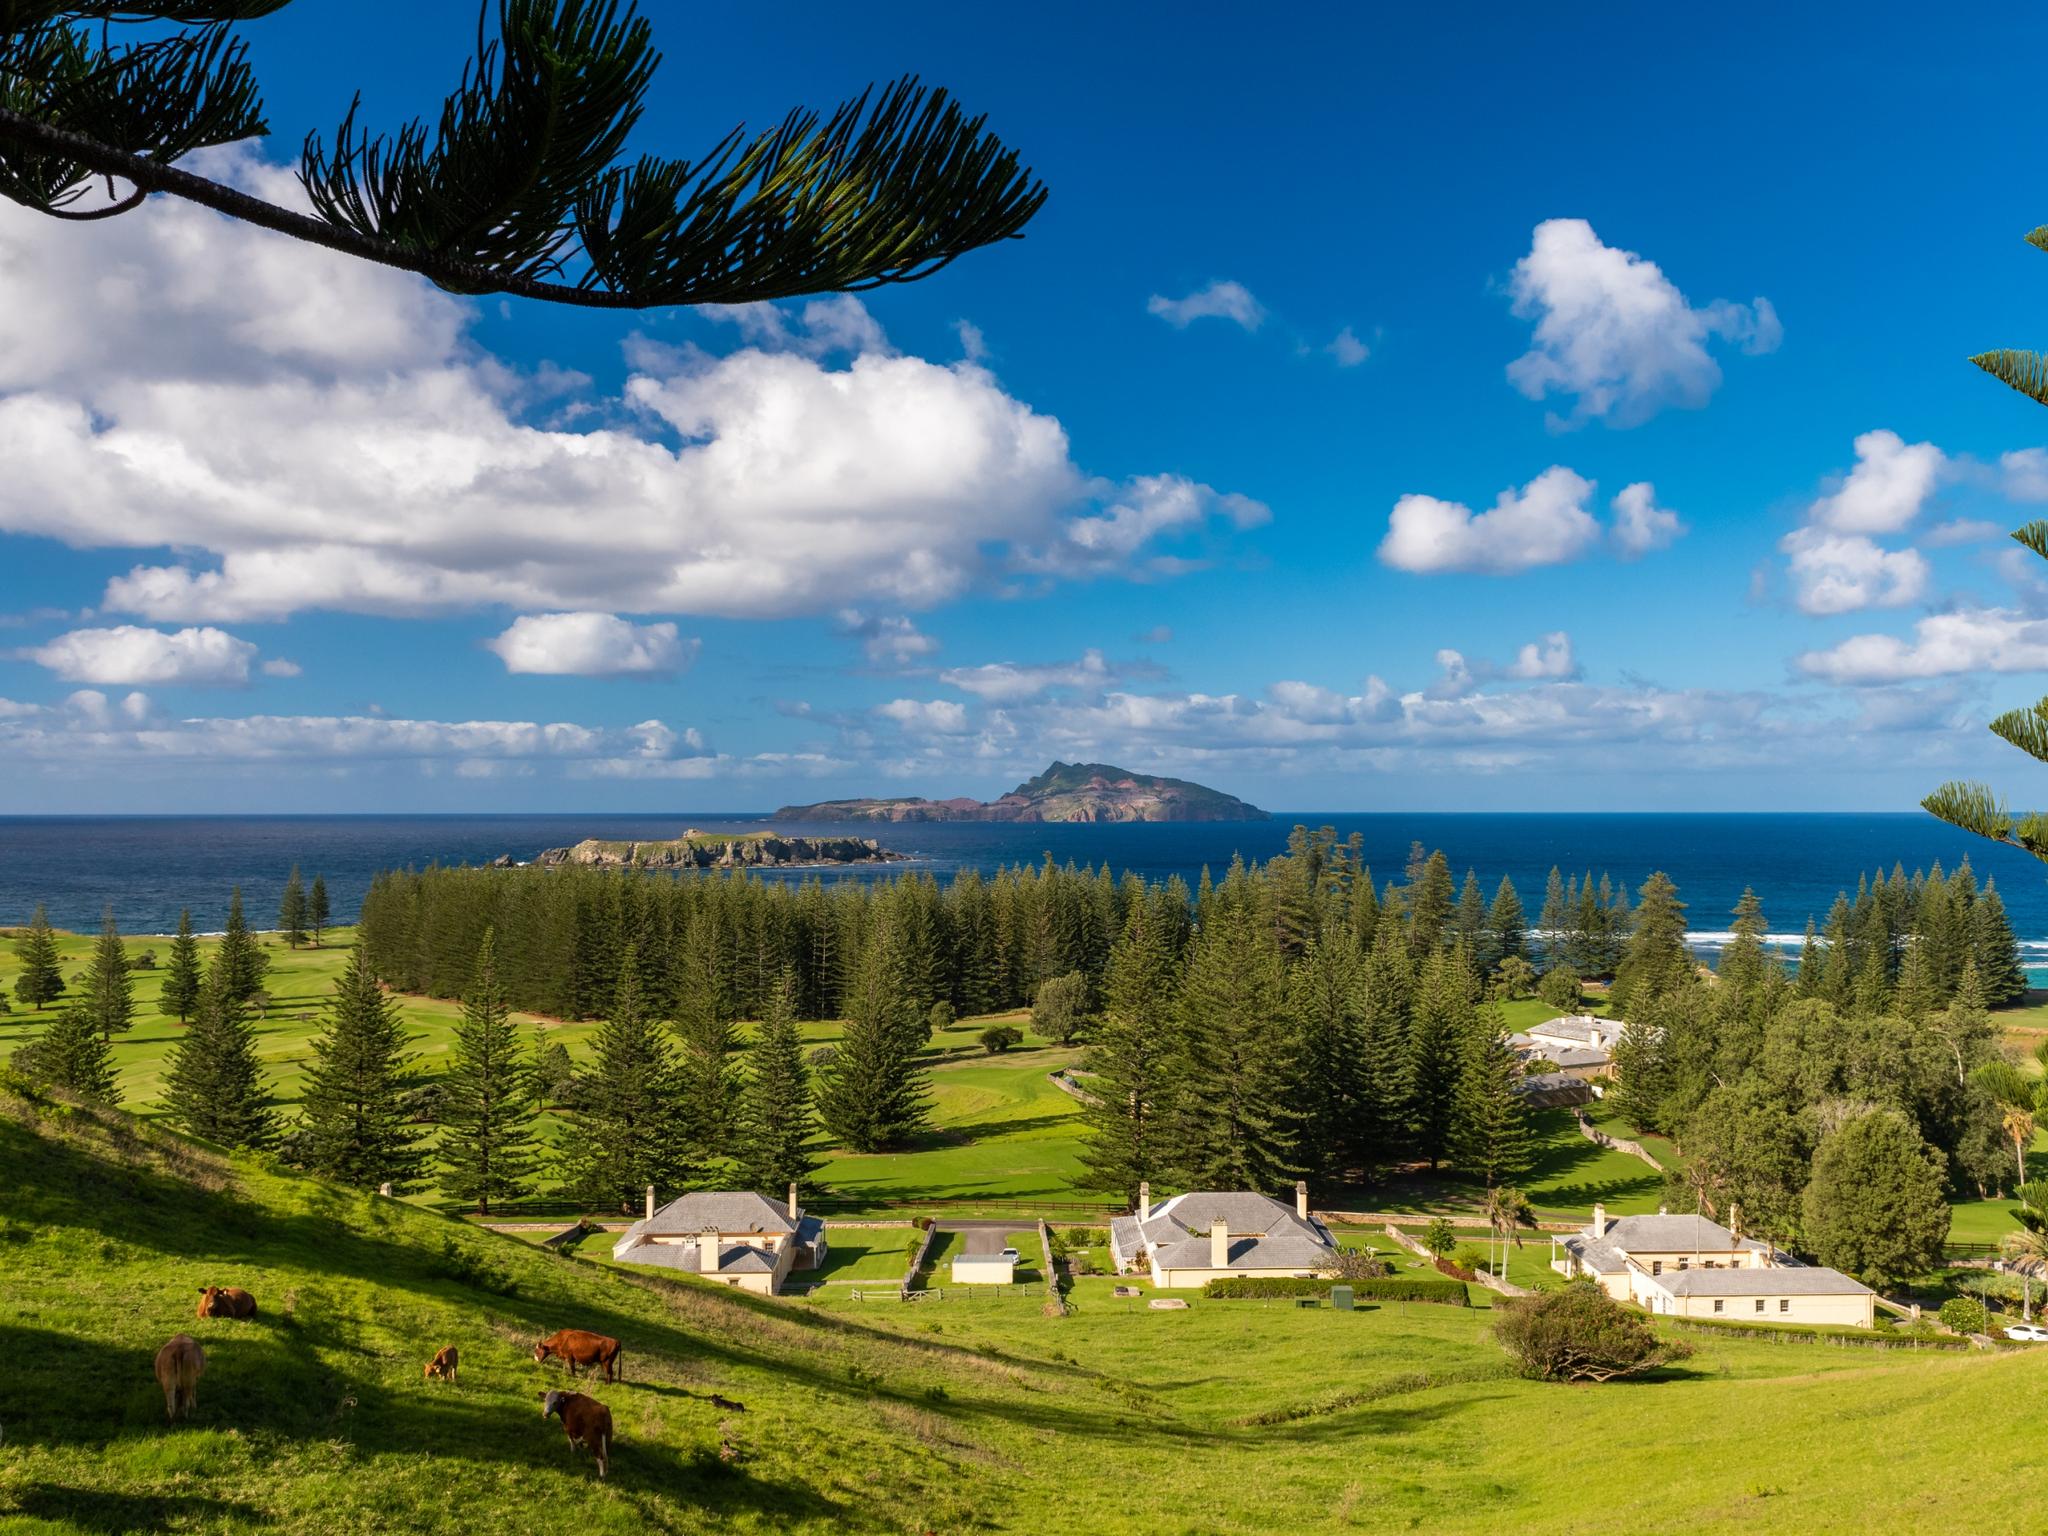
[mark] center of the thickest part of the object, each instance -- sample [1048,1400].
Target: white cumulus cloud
[1547,658]
[590,645]
[887,638]
[1615,333]
[931,717]
[1220,300]
[1943,645]
[1640,525]
[1004,681]
[1886,490]
[1840,573]
[320,433]
[1545,523]
[128,654]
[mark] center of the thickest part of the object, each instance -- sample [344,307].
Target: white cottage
[733,1237]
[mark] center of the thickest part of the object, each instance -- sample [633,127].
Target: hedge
[1253,1288]
[1819,1333]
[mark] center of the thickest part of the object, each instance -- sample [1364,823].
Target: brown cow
[574,1347]
[225,1301]
[585,1420]
[443,1364]
[179,1365]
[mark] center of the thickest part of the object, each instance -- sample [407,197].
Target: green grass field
[961,1416]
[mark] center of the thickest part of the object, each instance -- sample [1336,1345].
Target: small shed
[985,1260]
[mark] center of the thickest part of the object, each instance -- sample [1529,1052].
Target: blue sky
[280,534]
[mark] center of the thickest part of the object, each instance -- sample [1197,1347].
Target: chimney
[1219,1244]
[792,1200]
[650,1202]
[1599,1219]
[1735,1220]
[707,1251]
[1144,1200]
[1301,1198]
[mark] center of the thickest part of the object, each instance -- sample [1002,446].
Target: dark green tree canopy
[525,185]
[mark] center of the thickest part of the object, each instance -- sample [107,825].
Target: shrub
[1253,1288]
[1351,1264]
[1580,1333]
[1060,1007]
[1561,989]
[1256,1287]
[1000,1037]
[1441,1237]
[1965,1315]
[941,1016]
[1456,1270]
[1469,1257]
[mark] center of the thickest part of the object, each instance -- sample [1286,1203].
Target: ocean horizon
[148,867]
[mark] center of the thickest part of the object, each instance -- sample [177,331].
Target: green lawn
[955,1416]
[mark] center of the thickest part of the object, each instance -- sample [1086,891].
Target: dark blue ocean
[149,867]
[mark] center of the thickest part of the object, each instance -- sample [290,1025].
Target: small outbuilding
[987,1259]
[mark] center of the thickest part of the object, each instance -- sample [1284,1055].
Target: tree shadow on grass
[95,1509]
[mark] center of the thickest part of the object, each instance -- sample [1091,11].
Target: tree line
[1292,1019]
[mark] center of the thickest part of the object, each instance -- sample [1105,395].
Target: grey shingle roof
[1791,1280]
[1246,1253]
[1594,1254]
[733,1258]
[729,1211]
[1582,1027]
[1674,1234]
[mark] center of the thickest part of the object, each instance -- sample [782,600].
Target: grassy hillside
[942,1418]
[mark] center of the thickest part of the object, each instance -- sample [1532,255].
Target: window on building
[1759,1303]
[1717,1305]
[1784,1305]
[1684,1263]
[1656,1266]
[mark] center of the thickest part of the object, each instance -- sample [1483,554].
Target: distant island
[1078,792]
[722,850]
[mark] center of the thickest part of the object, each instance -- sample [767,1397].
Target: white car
[1013,1256]
[2027,1333]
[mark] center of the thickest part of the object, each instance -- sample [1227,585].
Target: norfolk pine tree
[776,1123]
[182,977]
[214,1086]
[1130,1061]
[240,954]
[291,910]
[522,187]
[106,994]
[1489,1126]
[487,1108]
[41,981]
[73,1055]
[356,1128]
[626,1134]
[317,912]
[873,1096]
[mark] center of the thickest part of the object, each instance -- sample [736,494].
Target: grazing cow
[585,1420]
[574,1347]
[225,1301]
[179,1365]
[443,1364]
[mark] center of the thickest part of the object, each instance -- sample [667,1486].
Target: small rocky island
[722,850]
[1084,792]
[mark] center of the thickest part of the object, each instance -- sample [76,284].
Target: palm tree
[1507,1211]
[2019,1125]
[2027,1253]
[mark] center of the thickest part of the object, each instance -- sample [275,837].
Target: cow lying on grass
[585,1420]
[229,1301]
[442,1365]
[179,1365]
[574,1347]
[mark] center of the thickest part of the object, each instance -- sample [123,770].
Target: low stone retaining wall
[1491,1282]
[1600,1138]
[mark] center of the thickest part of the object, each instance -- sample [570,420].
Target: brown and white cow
[574,1347]
[585,1420]
[443,1364]
[179,1365]
[225,1301]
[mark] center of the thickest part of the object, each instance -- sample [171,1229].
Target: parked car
[1013,1256]
[2027,1333]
